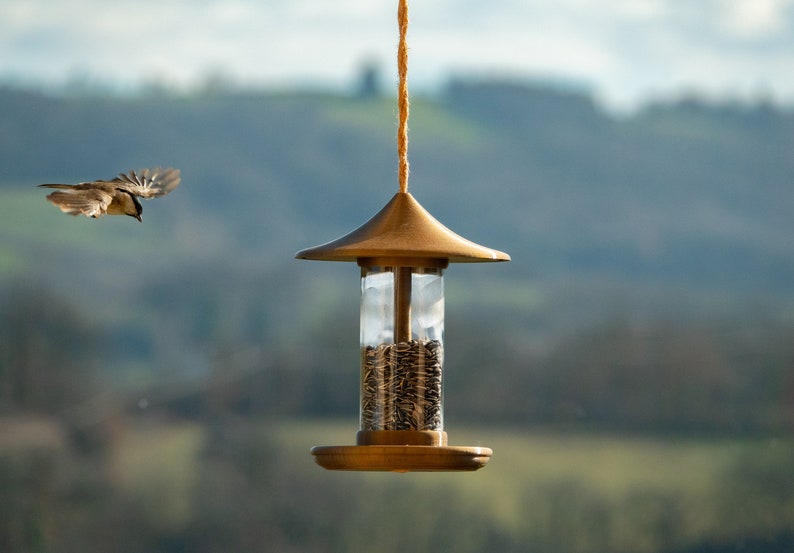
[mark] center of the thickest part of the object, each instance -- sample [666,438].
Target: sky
[625,52]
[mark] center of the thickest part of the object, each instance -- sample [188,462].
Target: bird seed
[401,386]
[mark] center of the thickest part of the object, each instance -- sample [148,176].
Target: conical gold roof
[402,229]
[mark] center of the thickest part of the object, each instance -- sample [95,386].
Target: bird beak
[140,220]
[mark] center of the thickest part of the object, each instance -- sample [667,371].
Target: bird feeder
[402,253]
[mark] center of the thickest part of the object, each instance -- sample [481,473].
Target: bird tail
[68,203]
[67,186]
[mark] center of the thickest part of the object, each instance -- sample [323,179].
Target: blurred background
[632,367]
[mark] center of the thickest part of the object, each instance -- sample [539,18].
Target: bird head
[135,209]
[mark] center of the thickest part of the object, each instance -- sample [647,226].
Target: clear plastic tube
[402,348]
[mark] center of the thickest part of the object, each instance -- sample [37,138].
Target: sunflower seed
[401,386]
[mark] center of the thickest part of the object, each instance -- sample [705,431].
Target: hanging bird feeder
[402,253]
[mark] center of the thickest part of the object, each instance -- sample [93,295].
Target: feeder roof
[402,229]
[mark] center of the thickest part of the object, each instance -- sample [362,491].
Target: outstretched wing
[149,183]
[88,202]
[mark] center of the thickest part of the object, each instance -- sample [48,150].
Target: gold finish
[404,261]
[402,229]
[402,304]
[398,458]
[401,437]
[402,235]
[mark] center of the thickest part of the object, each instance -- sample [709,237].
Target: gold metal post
[402,304]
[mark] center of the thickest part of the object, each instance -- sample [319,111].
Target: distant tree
[368,85]
[47,352]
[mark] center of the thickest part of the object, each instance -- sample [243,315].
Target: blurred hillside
[685,194]
[629,238]
[633,366]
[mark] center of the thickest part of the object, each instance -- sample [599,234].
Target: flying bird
[114,197]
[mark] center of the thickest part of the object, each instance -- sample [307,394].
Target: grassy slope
[608,493]
[29,224]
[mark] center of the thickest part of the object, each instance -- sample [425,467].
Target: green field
[542,491]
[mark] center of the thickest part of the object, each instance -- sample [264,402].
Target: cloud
[756,18]
[627,49]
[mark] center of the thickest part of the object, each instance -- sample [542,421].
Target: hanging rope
[403,105]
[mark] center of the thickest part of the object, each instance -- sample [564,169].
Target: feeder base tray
[401,458]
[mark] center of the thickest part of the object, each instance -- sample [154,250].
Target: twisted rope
[403,104]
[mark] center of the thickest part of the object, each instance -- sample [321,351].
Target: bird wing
[148,183]
[91,202]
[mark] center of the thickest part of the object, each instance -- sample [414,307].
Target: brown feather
[115,197]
